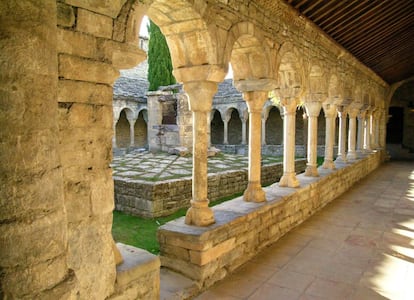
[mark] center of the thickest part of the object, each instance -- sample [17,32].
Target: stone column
[244,121]
[131,131]
[200,94]
[255,101]
[264,130]
[352,113]
[367,132]
[360,136]
[375,129]
[342,114]
[226,130]
[313,109]
[289,119]
[33,227]
[330,115]
[114,135]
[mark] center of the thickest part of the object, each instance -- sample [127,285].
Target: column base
[341,159]
[289,180]
[199,216]
[328,164]
[254,193]
[351,156]
[311,171]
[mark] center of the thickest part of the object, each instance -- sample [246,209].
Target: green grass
[142,233]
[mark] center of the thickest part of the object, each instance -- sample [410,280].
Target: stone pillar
[375,129]
[226,129]
[33,219]
[289,118]
[200,94]
[312,110]
[360,135]
[131,131]
[367,132]
[244,127]
[330,116]
[352,113]
[255,101]
[114,135]
[342,114]
[264,130]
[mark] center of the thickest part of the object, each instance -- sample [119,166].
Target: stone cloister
[59,60]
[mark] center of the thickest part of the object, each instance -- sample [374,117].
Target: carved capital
[330,110]
[255,100]
[200,94]
[313,108]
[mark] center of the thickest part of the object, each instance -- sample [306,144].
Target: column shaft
[360,136]
[330,113]
[200,95]
[367,133]
[342,135]
[312,110]
[255,101]
[352,135]
[226,132]
[244,132]
[263,120]
[289,119]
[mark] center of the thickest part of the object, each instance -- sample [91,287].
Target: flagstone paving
[160,166]
[361,246]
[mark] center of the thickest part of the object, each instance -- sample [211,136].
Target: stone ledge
[242,229]
[138,277]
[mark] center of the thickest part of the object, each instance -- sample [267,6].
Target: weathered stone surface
[84,92]
[77,43]
[75,68]
[95,24]
[107,7]
[65,15]
[138,277]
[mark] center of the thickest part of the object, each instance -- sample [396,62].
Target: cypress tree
[159,59]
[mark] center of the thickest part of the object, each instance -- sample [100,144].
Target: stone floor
[361,246]
[162,166]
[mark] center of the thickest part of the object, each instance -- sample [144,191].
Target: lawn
[142,233]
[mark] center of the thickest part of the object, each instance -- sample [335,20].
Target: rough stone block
[75,68]
[76,43]
[204,257]
[109,8]
[65,15]
[84,92]
[95,24]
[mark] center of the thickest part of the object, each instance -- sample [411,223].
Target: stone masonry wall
[242,229]
[154,199]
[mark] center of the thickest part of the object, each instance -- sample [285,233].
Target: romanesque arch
[122,128]
[217,127]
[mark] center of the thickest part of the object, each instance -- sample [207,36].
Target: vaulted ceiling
[380,33]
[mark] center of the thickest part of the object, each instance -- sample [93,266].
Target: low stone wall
[154,199]
[242,229]
[138,276]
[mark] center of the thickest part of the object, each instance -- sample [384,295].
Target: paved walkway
[361,246]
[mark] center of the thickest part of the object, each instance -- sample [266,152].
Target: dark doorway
[395,125]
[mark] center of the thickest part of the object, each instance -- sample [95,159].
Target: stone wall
[154,199]
[138,276]
[242,229]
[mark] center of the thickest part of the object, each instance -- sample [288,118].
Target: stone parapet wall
[138,276]
[242,229]
[154,199]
